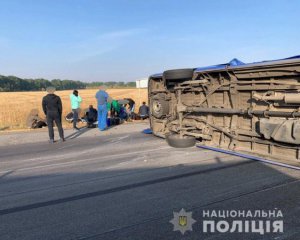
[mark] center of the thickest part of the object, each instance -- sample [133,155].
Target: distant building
[142,83]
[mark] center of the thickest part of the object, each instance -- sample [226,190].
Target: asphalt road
[124,184]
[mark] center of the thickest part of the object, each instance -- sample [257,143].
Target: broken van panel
[252,108]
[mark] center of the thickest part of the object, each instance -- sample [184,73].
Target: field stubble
[15,106]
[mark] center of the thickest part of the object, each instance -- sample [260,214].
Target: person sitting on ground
[34,121]
[144,111]
[69,117]
[91,116]
[123,114]
[115,108]
[131,106]
[109,107]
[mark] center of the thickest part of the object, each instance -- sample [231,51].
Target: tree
[12,83]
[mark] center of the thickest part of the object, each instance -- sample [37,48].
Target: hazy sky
[123,40]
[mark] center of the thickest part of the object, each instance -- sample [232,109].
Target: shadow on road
[78,133]
[83,130]
[6,174]
[128,188]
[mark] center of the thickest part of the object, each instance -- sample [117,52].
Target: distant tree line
[14,84]
[112,84]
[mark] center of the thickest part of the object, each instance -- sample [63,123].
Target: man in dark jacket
[52,108]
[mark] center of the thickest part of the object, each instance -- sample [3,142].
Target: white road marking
[66,147]
[62,156]
[48,158]
[124,163]
[118,139]
[84,160]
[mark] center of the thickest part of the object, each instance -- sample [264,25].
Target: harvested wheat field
[15,106]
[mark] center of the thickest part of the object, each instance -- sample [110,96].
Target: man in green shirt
[115,108]
[75,105]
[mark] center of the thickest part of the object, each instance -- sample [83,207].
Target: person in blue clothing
[102,97]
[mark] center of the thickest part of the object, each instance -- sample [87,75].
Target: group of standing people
[52,107]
